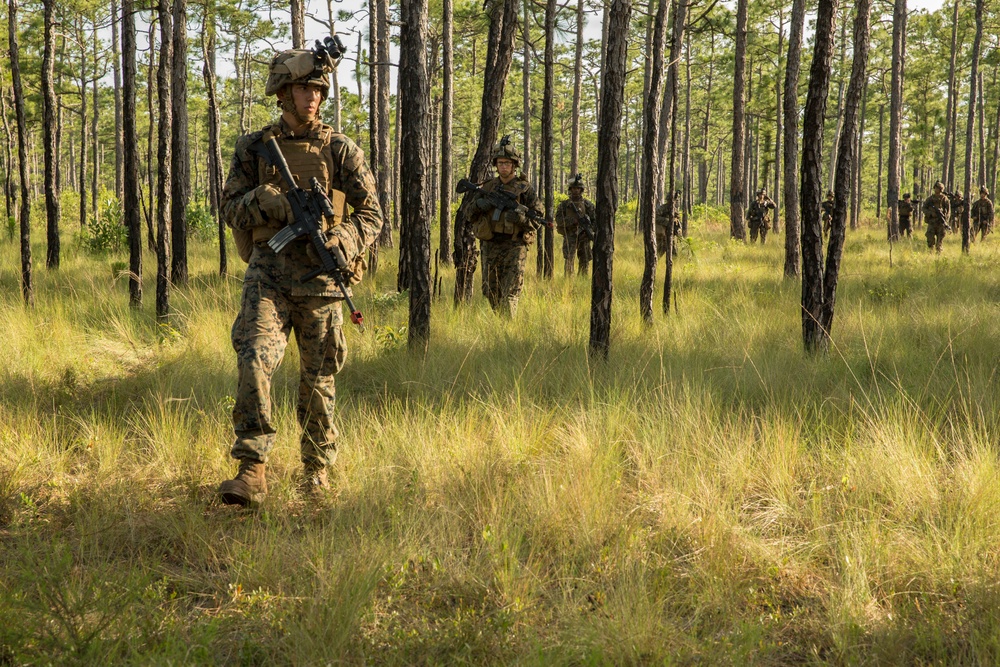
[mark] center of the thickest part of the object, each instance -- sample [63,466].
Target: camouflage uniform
[759,217]
[982,216]
[664,219]
[576,241]
[504,243]
[957,202]
[904,209]
[827,207]
[275,303]
[936,208]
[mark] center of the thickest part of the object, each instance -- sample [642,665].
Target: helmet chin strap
[288,104]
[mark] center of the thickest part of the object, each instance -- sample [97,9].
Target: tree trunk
[857,168]
[703,167]
[374,130]
[737,201]
[215,175]
[574,151]
[27,288]
[526,59]
[414,106]
[949,126]
[881,152]
[981,110]
[548,162]
[8,183]
[834,150]
[130,175]
[896,116]
[677,41]
[447,110]
[96,173]
[164,160]
[150,134]
[116,66]
[298,11]
[812,179]
[180,169]
[334,80]
[49,137]
[686,162]
[845,166]
[385,186]
[971,124]
[612,96]
[649,195]
[778,125]
[503,27]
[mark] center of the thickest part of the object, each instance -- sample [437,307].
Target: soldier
[904,209]
[274,301]
[504,237]
[957,202]
[668,213]
[827,206]
[982,214]
[936,208]
[575,221]
[759,216]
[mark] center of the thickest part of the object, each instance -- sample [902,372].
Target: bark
[703,166]
[526,59]
[679,23]
[812,180]
[150,136]
[8,182]
[116,65]
[845,166]
[27,287]
[49,137]
[130,150]
[856,180]
[414,106]
[949,126]
[385,186]
[881,153]
[649,195]
[981,111]
[374,130]
[447,110]
[164,160]
[548,162]
[778,125]
[834,150]
[96,172]
[334,82]
[574,153]
[896,116]
[215,177]
[686,162]
[737,197]
[970,125]
[298,11]
[180,168]
[612,95]
[503,27]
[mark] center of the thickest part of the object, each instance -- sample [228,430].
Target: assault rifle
[309,210]
[504,201]
[587,225]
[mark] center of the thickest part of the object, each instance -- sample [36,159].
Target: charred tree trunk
[180,169]
[971,124]
[612,95]
[503,28]
[812,178]
[130,175]
[164,159]
[649,195]
[896,116]
[548,161]
[414,105]
[447,110]
[27,287]
[790,111]
[737,185]
[49,136]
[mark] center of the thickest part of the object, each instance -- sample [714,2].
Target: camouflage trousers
[759,227]
[260,335]
[503,274]
[905,225]
[577,246]
[935,235]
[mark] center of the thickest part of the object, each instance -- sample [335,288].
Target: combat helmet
[983,190]
[505,149]
[577,182]
[939,186]
[305,66]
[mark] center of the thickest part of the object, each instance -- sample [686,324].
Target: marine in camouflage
[577,243]
[759,217]
[664,219]
[827,206]
[936,209]
[904,209]
[981,214]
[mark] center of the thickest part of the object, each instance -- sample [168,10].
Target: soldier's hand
[483,204]
[273,203]
[514,216]
[342,237]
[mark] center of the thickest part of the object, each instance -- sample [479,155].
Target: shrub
[107,234]
[200,223]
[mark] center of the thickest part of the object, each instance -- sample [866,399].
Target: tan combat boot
[314,480]
[249,481]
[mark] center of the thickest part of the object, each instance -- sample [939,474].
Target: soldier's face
[576,193]
[505,168]
[307,99]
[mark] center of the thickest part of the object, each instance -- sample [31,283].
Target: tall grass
[711,495]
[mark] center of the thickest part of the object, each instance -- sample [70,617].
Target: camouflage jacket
[936,209]
[569,212]
[982,212]
[827,207]
[316,151]
[904,208]
[482,222]
[663,217]
[759,212]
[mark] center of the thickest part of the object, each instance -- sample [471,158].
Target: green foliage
[107,234]
[200,223]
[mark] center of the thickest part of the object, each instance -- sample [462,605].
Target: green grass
[711,495]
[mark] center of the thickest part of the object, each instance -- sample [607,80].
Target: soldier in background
[575,221]
[982,214]
[668,213]
[759,216]
[904,209]
[957,202]
[827,207]
[274,301]
[936,210]
[504,237]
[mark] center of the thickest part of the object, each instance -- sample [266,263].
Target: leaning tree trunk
[949,126]
[843,184]
[649,195]
[791,114]
[130,150]
[27,288]
[49,137]
[812,178]
[447,110]
[896,117]
[971,124]
[609,131]
[180,171]
[548,162]
[164,159]
[503,27]
[737,198]
[414,104]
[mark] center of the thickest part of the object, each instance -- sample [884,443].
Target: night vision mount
[329,51]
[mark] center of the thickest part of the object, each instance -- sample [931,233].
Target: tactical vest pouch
[339,202]
[263,234]
[483,228]
[244,243]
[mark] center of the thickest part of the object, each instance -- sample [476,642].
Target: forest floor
[710,495]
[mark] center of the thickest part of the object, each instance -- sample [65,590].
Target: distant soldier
[982,214]
[936,209]
[575,221]
[918,215]
[958,203]
[828,212]
[668,214]
[904,208]
[759,216]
